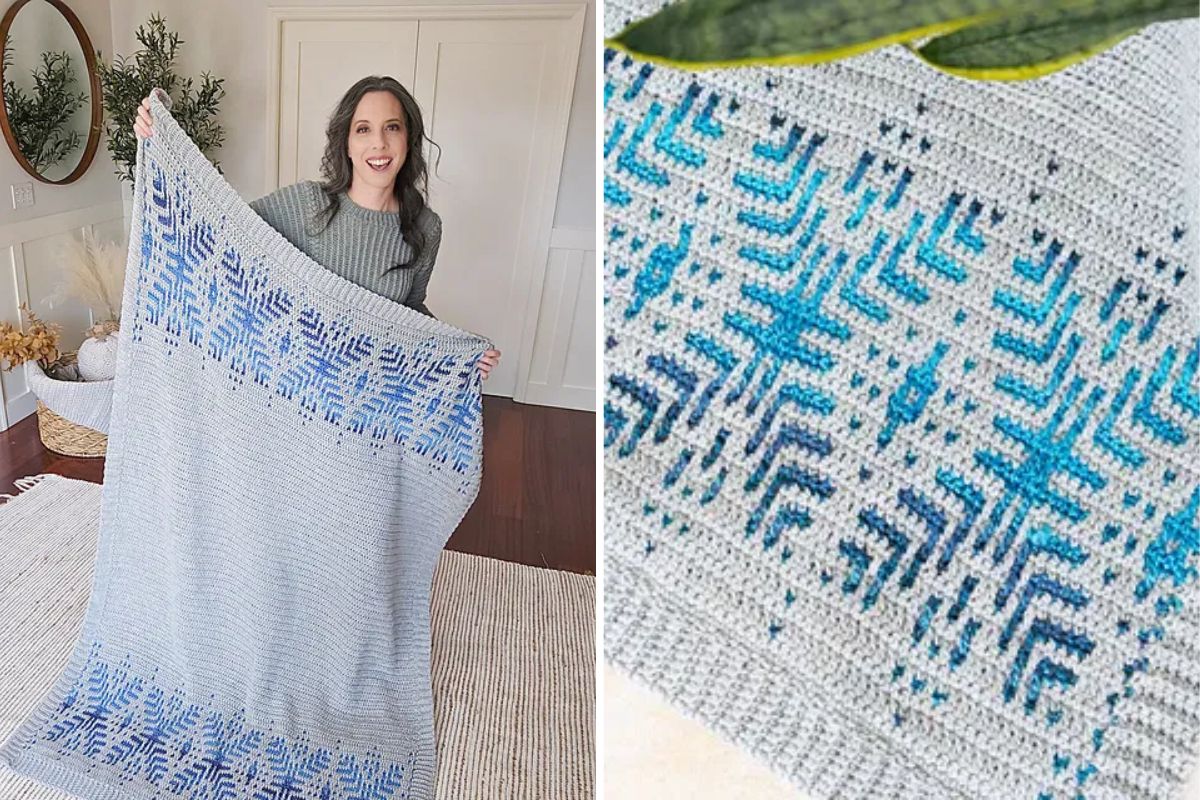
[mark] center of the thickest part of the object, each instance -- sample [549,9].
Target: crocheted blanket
[288,453]
[901,418]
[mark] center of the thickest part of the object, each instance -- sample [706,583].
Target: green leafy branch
[984,39]
[39,119]
[129,79]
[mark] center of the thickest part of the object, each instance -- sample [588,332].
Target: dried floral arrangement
[38,342]
[102,329]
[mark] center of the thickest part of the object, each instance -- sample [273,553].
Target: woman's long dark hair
[412,181]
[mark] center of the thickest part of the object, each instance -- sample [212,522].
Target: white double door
[494,84]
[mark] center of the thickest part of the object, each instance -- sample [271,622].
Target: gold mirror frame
[89,57]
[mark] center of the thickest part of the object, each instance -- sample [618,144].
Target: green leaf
[714,33]
[1041,42]
[128,79]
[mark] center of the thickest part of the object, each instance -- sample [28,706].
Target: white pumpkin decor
[98,357]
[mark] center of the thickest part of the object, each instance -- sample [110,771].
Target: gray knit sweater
[361,245]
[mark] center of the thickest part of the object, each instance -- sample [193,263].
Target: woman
[367,220]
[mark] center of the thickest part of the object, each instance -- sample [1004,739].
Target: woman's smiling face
[379,135]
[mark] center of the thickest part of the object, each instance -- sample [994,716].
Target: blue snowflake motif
[369,778]
[326,352]
[293,767]
[145,751]
[246,307]
[224,747]
[108,691]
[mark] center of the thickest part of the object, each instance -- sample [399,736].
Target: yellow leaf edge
[797,59]
[1025,72]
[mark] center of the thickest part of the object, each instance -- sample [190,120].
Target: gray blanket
[288,454]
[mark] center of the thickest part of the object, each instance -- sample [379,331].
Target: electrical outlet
[22,194]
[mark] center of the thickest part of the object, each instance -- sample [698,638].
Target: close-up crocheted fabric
[902,404]
[288,453]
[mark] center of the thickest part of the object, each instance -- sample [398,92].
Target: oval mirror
[51,114]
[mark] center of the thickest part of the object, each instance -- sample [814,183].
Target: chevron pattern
[198,289]
[861,391]
[118,717]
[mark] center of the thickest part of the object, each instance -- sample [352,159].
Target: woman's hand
[143,126]
[489,359]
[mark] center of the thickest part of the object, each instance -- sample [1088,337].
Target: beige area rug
[513,651]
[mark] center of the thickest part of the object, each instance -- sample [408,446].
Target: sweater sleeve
[285,209]
[433,240]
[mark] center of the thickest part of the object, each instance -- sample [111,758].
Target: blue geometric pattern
[195,289]
[828,318]
[159,739]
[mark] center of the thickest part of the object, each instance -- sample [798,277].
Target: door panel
[320,61]
[485,86]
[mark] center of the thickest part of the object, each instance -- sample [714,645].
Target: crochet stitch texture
[902,403]
[288,453]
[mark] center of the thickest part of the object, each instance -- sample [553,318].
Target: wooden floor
[536,504]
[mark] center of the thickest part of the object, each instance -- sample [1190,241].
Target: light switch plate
[22,194]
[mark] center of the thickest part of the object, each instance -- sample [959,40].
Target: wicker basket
[65,437]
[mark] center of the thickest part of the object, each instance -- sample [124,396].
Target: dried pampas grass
[94,273]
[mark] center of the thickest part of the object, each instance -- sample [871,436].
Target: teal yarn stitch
[907,502]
